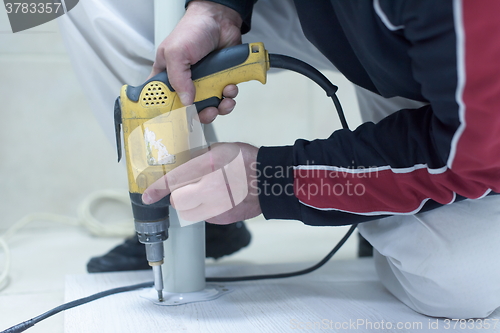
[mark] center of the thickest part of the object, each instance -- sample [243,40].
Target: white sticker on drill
[164,142]
[210,292]
[157,153]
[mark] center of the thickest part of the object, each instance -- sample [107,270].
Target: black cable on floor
[29,323]
[290,274]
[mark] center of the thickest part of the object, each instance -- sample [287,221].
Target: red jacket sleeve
[413,158]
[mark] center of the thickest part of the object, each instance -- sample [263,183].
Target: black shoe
[128,256]
[221,240]
[365,249]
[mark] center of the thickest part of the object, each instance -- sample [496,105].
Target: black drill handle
[213,63]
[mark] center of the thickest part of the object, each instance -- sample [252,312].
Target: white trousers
[441,263]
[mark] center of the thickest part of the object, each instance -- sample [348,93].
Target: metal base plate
[211,292]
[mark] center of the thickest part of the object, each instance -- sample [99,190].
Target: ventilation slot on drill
[154,95]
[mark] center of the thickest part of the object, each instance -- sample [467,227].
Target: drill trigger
[212,101]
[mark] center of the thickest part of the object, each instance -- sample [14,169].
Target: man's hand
[219,186]
[206,26]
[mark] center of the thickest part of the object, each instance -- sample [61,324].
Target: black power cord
[276,61]
[29,323]
[298,66]
[290,274]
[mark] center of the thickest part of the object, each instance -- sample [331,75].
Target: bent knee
[438,292]
[453,307]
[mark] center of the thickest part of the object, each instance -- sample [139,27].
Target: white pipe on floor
[184,267]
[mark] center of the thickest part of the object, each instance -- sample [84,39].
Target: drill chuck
[155,253]
[151,226]
[152,232]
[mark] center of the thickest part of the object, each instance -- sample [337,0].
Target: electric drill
[156,134]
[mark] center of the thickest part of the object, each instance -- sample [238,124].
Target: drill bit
[158,277]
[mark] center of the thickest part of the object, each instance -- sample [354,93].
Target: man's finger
[230,91]
[209,208]
[200,213]
[191,171]
[186,198]
[159,64]
[188,173]
[226,106]
[210,189]
[179,74]
[208,115]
